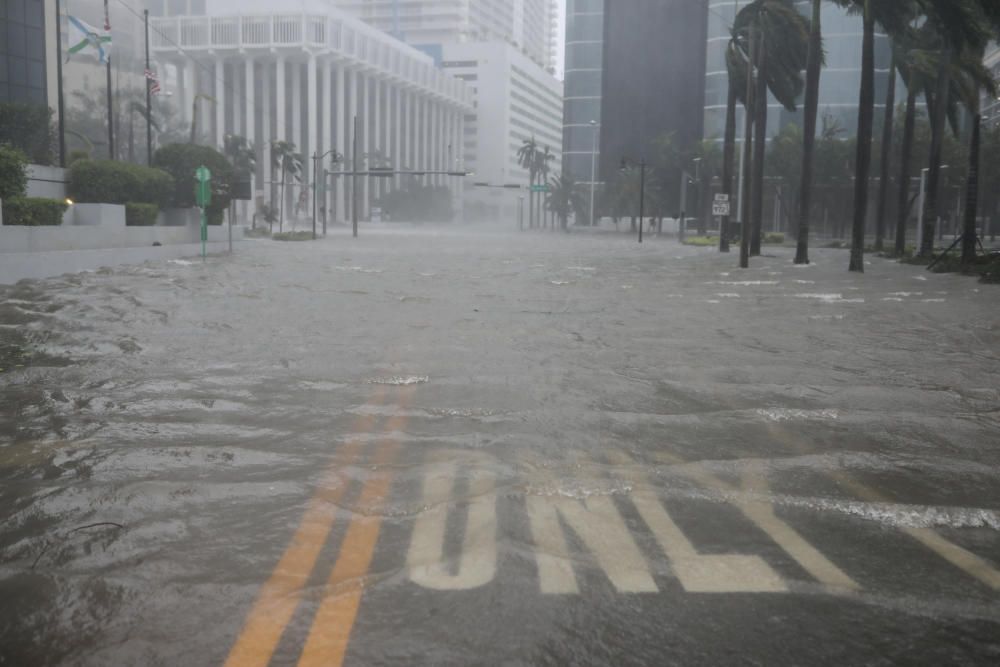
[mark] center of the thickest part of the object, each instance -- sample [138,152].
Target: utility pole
[354,181]
[107,59]
[149,98]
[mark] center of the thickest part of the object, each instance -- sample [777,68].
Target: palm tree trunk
[972,193]
[759,151]
[747,156]
[883,186]
[813,69]
[903,214]
[866,115]
[281,209]
[728,154]
[938,119]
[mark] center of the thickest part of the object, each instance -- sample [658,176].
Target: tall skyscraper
[529,25]
[582,83]
[635,70]
[840,82]
[24,75]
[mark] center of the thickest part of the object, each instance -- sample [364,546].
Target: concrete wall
[14,239]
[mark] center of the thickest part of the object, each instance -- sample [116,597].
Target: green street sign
[203,189]
[540,188]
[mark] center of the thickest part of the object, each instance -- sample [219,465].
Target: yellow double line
[280,596]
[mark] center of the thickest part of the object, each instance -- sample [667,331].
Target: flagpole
[111,117]
[61,110]
[149,95]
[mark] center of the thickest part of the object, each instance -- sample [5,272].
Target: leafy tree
[182,161]
[13,172]
[28,127]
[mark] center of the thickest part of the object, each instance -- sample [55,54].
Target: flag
[85,38]
[153,82]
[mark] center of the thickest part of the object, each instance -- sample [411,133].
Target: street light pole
[593,173]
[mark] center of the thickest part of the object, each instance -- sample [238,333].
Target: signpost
[720,207]
[541,188]
[203,197]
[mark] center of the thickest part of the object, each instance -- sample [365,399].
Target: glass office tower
[584,56]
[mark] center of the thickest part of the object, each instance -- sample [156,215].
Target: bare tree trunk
[972,194]
[866,113]
[728,154]
[759,150]
[903,214]
[939,116]
[813,68]
[883,186]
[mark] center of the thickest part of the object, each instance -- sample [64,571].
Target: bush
[33,211]
[13,174]
[110,182]
[29,128]
[141,215]
[774,239]
[181,161]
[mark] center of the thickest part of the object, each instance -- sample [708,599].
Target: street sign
[720,207]
[203,189]
[540,188]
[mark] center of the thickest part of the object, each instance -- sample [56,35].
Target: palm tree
[242,157]
[566,198]
[893,16]
[527,157]
[542,168]
[961,25]
[287,161]
[770,36]
[814,64]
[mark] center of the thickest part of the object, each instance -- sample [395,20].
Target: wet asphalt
[434,446]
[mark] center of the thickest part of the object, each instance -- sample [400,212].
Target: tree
[566,198]
[527,157]
[542,168]
[181,161]
[780,57]
[288,162]
[814,64]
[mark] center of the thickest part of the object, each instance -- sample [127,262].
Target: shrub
[141,215]
[13,174]
[29,128]
[110,182]
[774,239]
[293,236]
[33,211]
[701,241]
[181,161]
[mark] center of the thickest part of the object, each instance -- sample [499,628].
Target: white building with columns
[301,75]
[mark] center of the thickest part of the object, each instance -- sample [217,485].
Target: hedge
[181,161]
[13,174]
[141,215]
[33,211]
[110,182]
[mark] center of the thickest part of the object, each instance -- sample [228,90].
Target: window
[22,52]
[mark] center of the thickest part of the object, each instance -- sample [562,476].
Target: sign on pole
[540,188]
[720,207]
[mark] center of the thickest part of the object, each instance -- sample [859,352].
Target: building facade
[304,78]
[653,77]
[514,100]
[529,25]
[840,82]
[27,52]
[582,87]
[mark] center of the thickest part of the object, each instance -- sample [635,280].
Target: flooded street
[447,447]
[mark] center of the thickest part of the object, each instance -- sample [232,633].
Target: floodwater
[444,447]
